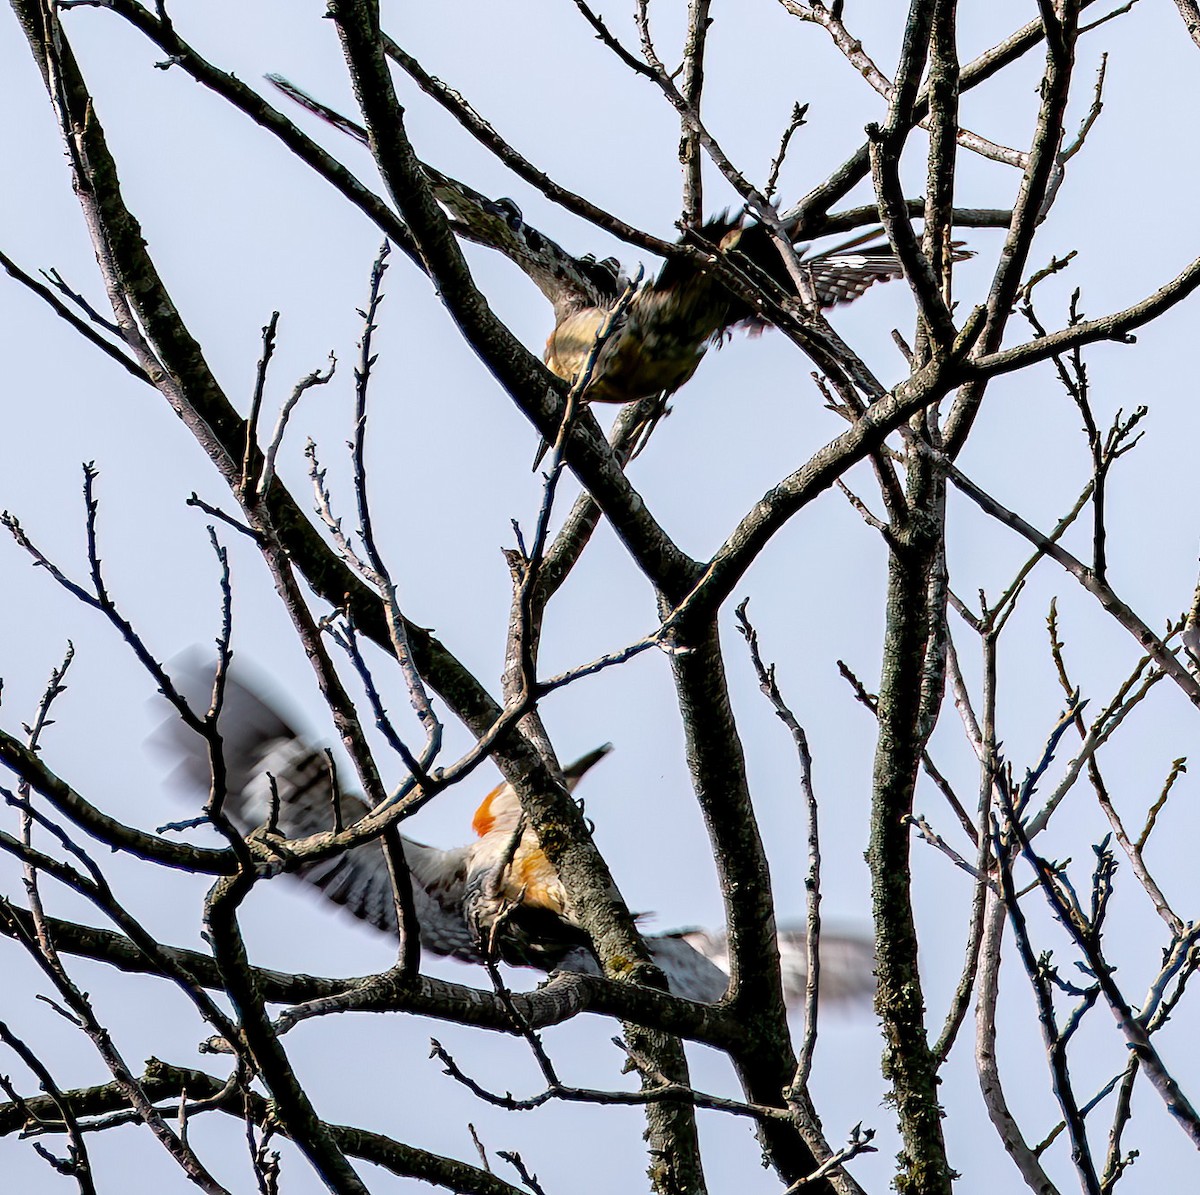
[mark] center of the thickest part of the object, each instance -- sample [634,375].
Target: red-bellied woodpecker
[671,320]
[498,891]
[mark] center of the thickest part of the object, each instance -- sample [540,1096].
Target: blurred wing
[847,963]
[329,115]
[847,966]
[689,973]
[260,749]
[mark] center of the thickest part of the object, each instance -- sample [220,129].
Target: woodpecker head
[500,811]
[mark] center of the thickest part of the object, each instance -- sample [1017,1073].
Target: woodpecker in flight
[498,895]
[671,320]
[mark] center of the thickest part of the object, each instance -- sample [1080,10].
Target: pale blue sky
[239,229]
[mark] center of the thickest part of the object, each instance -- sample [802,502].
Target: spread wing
[845,272]
[262,750]
[844,277]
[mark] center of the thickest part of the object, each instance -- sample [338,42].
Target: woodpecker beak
[574,771]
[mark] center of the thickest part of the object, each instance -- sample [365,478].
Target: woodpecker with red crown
[496,896]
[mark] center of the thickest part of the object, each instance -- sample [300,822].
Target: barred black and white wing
[847,271]
[844,277]
[264,758]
